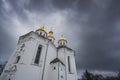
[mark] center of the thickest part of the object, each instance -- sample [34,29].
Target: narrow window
[61,76]
[60,43]
[37,58]
[54,68]
[17,59]
[69,67]
[63,43]
[61,69]
[40,33]
[44,35]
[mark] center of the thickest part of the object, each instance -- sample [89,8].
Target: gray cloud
[6,45]
[101,39]
[92,28]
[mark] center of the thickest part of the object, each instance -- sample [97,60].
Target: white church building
[36,57]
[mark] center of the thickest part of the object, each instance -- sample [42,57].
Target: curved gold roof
[62,38]
[43,29]
[50,34]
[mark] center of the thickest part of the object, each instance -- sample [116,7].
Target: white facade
[37,58]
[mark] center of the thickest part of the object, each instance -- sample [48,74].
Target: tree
[87,76]
[98,77]
[119,76]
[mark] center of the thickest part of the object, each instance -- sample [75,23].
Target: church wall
[23,60]
[62,75]
[72,74]
[61,54]
[27,72]
[51,55]
[53,72]
[26,69]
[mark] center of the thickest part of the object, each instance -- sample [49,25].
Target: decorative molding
[26,40]
[11,69]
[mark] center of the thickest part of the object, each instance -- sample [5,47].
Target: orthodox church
[36,57]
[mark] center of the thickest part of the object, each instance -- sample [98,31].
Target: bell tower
[67,56]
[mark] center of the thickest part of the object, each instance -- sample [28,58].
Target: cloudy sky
[92,28]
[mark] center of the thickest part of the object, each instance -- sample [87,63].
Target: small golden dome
[43,29]
[50,34]
[62,38]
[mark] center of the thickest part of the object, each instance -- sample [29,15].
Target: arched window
[40,33]
[63,43]
[37,58]
[54,68]
[69,65]
[60,43]
[61,76]
[44,35]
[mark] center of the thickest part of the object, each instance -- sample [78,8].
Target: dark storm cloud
[6,44]
[101,40]
[38,5]
[35,6]
[100,37]
[95,23]
[6,41]
[63,4]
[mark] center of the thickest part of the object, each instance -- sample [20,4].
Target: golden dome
[50,34]
[62,38]
[42,28]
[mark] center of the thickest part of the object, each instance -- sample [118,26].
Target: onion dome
[42,32]
[62,41]
[42,29]
[51,35]
[62,38]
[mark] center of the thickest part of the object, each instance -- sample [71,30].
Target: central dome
[43,29]
[50,34]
